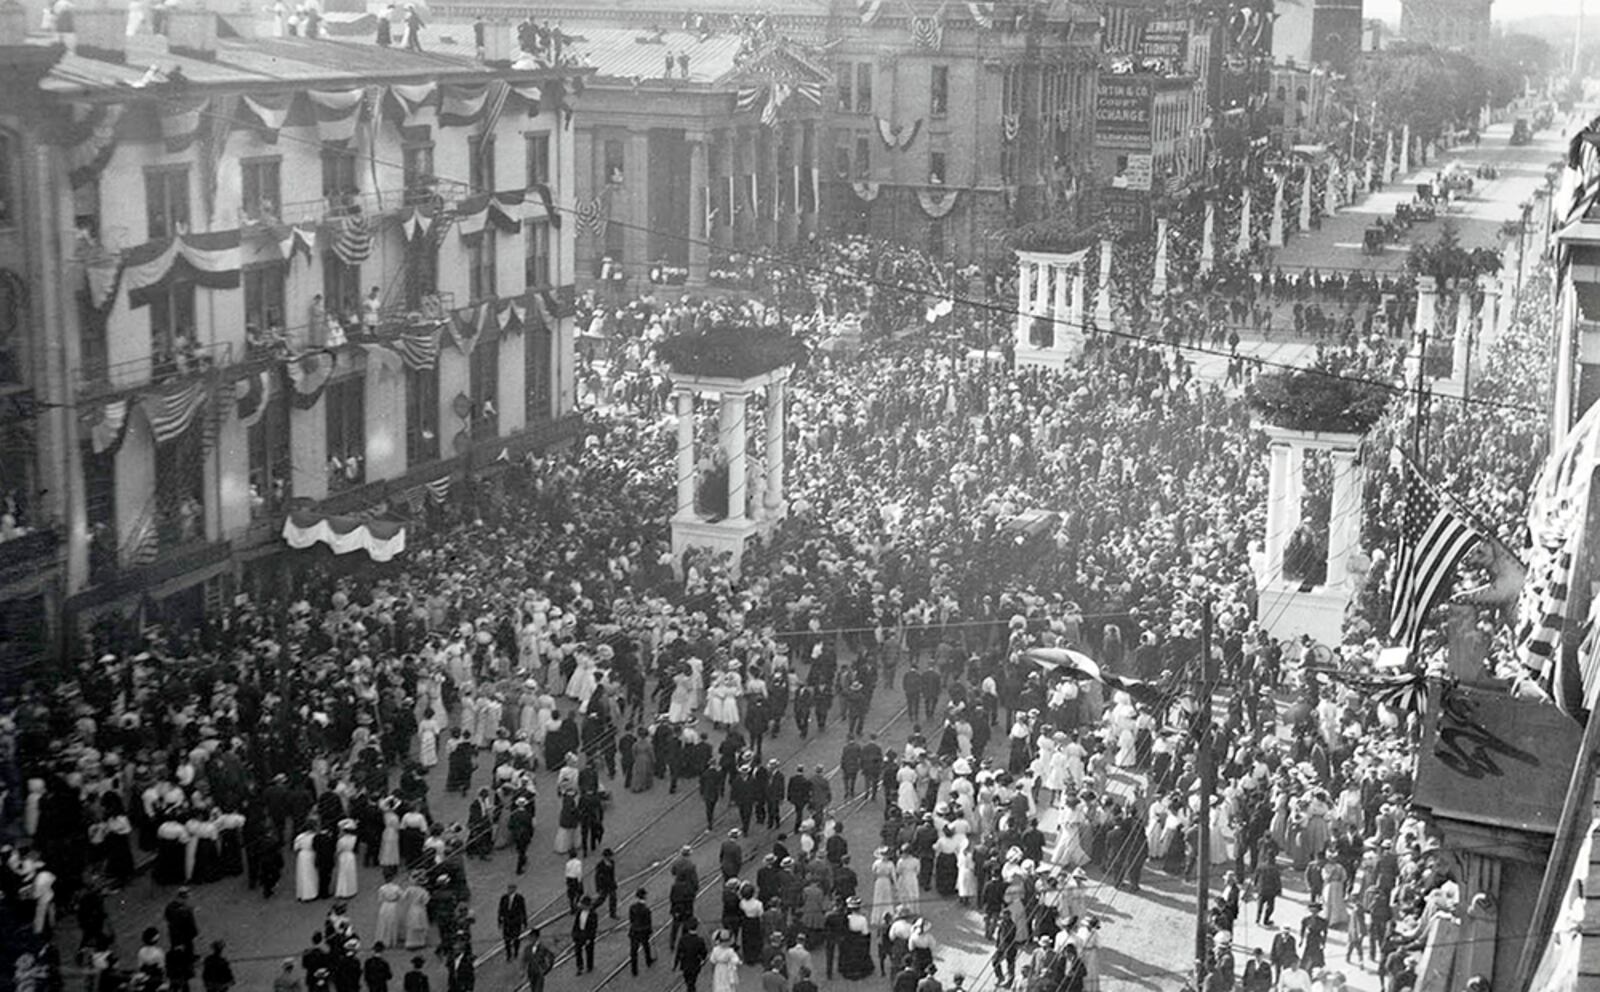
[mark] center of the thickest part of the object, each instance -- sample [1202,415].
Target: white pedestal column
[1208,238]
[1366,179]
[1024,296]
[1277,509]
[1245,235]
[1275,229]
[732,431]
[1102,302]
[1058,307]
[1405,152]
[1427,310]
[1330,193]
[1344,516]
[1158,279]
[1489,316]
[776,506]
[1041,290]
[686,471]
[1305,202]
[1078,289]
[1388,161]
[1461,351]
[1295,491]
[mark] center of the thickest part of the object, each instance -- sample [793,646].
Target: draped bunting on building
[468,325]
[93,139]
[171,412]
[865,190]
[927,32]
[270,111]
[439,489]
[295,240]
[308,376]
[500,215]
[337,112]
[180,122]
[462,104]
[382,540]
[418,348]
[542,191]
[253,398]
[528,96]
[352,239]
[896,137]
[982,12]
[869,10]
[210,260]
[1122,29]
[107,424]
[214,129]
[415,222]
[100,278]
[1010,126]
[937,203]
[472,216]
[409,105]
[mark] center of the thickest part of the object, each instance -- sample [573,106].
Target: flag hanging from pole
[1433,539]
[1580,182]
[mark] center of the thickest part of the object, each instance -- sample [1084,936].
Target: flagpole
[1418,426]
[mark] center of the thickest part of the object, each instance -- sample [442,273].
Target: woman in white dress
[345,883]
[1069,851]
[906,790]
[305,866]
[389,843]
[883,875]
[907,889]
[388,928]
[528,709]
[681,708]
[724,964]
[428,740]
[966,873]
[722,704]
[582,684]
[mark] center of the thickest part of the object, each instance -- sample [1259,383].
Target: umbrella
[1074,663]
[1140,691]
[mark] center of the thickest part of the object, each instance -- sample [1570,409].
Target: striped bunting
[418,349]
[180,122]
[353,243]
[463,104]
[439,489]
[337,112]
[869,10]
[173,412]
[1580,183]
[982,12]
[94,139]
[270,110]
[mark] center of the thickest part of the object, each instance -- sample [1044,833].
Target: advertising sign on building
[1127,210]
[1122,112]
[1140,171]
[1167,40]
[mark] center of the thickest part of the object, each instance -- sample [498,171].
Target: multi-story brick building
[291,288]
[951,122]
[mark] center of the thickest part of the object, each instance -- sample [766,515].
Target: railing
[154,368]
[439,193]
[26,553]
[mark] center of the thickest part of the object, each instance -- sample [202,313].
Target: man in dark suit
[520,826]
[799,794]
[690,955]
[1283,954]
[641,923]
[1074,973]
[513,920]
[774,784]
[585,928]
[1257,973]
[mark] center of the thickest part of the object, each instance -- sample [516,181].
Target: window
[536,267]
[864,88]
[863,156]
[180,497]
[936,238]
[422,415]
[341,286]
[482,263]
[1008,164]
[845,75]
[422,272]
[616,162]
[538,160]
[480,163]
[13,317]
[339,185]
[346,402]
[939,92]
[261,189]
[538,370]
[936,168]
[417,162]
[166,201]
[271,464]
[100,509]
[263,298]
[485,379]
[841,156]
[171,326]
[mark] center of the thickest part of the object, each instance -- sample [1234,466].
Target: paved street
[1337,245]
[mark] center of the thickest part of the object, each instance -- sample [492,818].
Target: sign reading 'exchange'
[1122,111]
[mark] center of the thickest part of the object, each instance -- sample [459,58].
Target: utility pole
[1205,683]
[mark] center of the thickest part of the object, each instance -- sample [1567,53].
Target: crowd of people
[307,728]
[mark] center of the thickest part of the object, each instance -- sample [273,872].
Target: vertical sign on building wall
[1123,112]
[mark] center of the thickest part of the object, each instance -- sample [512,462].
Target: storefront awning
[380,539]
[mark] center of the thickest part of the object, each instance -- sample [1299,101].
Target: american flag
[1580,184]
[1433,539]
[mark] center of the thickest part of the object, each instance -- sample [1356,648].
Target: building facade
[951,122]
[301,287]
[1446,23]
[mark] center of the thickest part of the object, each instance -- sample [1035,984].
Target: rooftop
[252,62]
[630,53]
